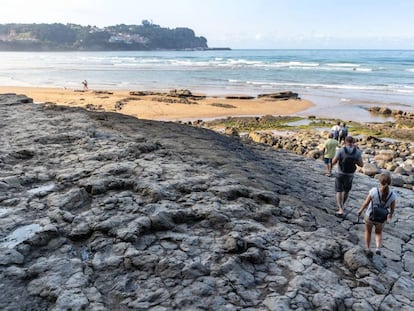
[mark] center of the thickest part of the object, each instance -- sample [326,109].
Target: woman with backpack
[378,197]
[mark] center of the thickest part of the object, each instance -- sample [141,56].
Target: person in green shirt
[329,150]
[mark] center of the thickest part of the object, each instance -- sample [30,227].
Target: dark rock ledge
[101,211]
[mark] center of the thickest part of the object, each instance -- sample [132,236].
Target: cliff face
[101,211]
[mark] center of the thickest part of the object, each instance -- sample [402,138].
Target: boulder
[280,95]
[385,155]
[370,169]
[231,131]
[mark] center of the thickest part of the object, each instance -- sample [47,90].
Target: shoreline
[160,106]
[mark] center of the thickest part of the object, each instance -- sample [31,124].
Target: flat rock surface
[102,211]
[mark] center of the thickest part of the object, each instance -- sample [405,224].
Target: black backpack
[336,133]
[348,161]
[344,132]
[379,210]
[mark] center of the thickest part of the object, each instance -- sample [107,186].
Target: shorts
[374,223]
[343,183]
[327,161]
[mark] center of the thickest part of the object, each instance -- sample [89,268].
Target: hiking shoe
[368,252]
[378,251]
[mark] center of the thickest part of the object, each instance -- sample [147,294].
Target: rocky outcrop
[102,211]
[183,96]
[280,95]
[395,157]
[243,97]
[402,126]
[184,93]
[268,96]
[400,114]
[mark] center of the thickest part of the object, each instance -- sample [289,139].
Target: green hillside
[60,37]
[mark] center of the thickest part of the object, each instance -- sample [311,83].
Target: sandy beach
[161,107]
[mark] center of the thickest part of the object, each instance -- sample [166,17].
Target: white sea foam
[291,64]
[364,69]
[405,91]
[322,86]
[343,65]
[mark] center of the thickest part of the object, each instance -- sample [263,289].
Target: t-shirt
[340,154]
[374,198]
[330,148]
[335,131]
[343,132]
[335,128]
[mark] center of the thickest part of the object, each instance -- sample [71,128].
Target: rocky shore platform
[392,154]
[103,211]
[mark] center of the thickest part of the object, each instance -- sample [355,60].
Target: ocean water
[340,82]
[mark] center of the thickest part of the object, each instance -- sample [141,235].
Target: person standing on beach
[85,84]
[328,151]
[384,195]
[347,158]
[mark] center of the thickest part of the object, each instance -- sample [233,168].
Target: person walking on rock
[328,151]
[335,130]
[347,158]
[377,195]
[343,133]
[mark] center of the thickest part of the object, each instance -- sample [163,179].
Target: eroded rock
[136,214]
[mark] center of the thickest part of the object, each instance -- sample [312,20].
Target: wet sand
[161,107]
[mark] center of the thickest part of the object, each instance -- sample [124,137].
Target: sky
[242,24]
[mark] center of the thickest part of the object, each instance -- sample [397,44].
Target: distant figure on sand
[329,149]
[85,84]
[347,158]
[379,195]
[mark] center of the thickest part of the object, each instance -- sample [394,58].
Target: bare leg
[346,195]
[368,230]
[340,202]
[378,236]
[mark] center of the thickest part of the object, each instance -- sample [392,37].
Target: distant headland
[72,37]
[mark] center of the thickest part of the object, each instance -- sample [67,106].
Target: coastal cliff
[103,211]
